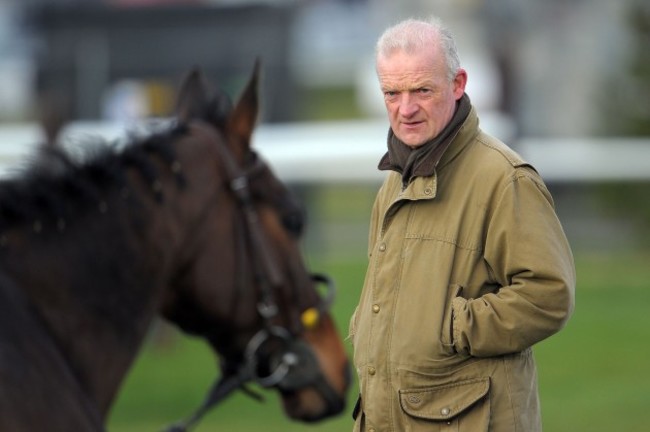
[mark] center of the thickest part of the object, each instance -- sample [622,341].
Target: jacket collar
[426,187]
[422,161]
[421,188]
[467,132]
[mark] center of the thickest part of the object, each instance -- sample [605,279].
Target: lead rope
[219,391]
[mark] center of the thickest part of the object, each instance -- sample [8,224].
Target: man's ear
[460,81]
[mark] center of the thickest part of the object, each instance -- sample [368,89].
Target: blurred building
[118,59]
[544,63]
[548,65]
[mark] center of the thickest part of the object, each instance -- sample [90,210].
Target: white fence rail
[349,151]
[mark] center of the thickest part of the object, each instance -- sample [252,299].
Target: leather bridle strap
[269,278]
[269,275]
[239,185]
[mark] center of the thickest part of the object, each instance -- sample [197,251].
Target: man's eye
[390,96]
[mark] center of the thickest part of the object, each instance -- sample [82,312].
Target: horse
[186,223]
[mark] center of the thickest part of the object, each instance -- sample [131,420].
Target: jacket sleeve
[530,260]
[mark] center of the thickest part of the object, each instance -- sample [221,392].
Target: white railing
[348,151]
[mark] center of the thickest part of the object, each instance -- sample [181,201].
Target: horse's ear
[54,113]
[193,97]
[244,116]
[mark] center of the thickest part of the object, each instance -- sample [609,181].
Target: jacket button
[414,399]
[428,191]
[375,308]
[445,411]
[382,247]
[372,371]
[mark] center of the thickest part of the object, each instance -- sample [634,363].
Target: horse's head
[244,285]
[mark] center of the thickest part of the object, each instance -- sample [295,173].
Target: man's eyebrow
[401,88]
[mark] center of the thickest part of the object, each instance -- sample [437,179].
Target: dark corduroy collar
[421,161]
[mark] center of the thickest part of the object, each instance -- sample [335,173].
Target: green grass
[593,375]
[169,379]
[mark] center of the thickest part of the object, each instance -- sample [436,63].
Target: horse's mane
[56,184]
[84,196]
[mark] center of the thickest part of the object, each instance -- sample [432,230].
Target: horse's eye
[294,222]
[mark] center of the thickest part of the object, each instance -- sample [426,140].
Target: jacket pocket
[463,406]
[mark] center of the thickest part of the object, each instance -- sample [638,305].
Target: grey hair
[414,34]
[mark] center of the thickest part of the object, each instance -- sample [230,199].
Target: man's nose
[408,106]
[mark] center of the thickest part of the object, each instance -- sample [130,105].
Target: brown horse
[187,223]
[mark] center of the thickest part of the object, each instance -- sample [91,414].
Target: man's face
[419,97]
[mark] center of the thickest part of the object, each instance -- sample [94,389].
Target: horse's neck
[95,337]
[98,284]
[96,291]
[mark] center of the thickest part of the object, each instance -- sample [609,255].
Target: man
[468,263]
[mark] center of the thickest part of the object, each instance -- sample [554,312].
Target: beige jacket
[467,270]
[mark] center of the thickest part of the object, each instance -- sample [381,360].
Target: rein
[269,277]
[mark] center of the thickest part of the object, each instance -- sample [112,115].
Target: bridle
[294,363]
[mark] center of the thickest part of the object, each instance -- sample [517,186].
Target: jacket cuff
[457,306]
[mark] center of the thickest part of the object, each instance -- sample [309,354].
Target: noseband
[294,364]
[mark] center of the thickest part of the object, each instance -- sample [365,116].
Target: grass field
[593,375]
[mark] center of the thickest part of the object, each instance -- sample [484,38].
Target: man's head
[421,78]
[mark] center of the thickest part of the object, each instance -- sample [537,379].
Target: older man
[468,263]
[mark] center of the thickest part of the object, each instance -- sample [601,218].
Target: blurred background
[564,82]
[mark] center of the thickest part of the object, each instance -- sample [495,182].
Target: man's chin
[411,137]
